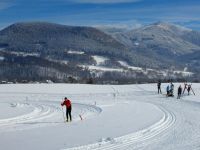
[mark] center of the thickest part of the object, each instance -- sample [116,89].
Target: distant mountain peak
[44,25]
[169,26]
[161,23]
[33,23]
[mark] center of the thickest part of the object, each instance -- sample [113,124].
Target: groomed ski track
[42,113]
[139,139]
[178,129]
[135,140]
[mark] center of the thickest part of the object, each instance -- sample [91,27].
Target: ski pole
[81,117]
[63,114]
[192,91]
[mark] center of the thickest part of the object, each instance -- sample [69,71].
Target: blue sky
[119,13]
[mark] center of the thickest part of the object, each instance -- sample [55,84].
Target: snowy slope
[114,117]
[99,59]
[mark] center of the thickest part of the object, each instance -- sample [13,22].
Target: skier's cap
[65,97]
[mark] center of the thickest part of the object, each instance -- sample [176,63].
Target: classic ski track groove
[42,111]
[136,139]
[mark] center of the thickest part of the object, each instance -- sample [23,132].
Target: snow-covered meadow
[123,117]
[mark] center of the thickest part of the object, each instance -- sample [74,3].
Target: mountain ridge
[156,46]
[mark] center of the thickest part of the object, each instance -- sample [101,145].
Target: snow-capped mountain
[46,50]
[162,39]
[163,42]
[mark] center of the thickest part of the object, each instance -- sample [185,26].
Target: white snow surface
[24,54]
[99,59]
[101,68]
[184,73]
[123,63]
[76,52]
[120,117]
[1,58]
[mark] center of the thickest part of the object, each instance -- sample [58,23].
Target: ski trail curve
[40,112]
[44,114]
[135,139]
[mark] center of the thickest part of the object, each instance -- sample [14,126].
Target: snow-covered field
[120,117]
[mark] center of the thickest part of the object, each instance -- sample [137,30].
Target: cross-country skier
[185,87]
[179,92]
[68,105]
[172,89]
[167,89]
[159,87]
[188,89]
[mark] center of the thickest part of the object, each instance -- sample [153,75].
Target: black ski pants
[159,90]
[179,95]
[68,113]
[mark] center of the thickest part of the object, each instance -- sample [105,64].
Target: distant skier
[188,89]
[68,105]
[159,87]
[168,90]
[179,92]
[185,87]
[172,89]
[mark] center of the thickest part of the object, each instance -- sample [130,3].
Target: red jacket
[67,103]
